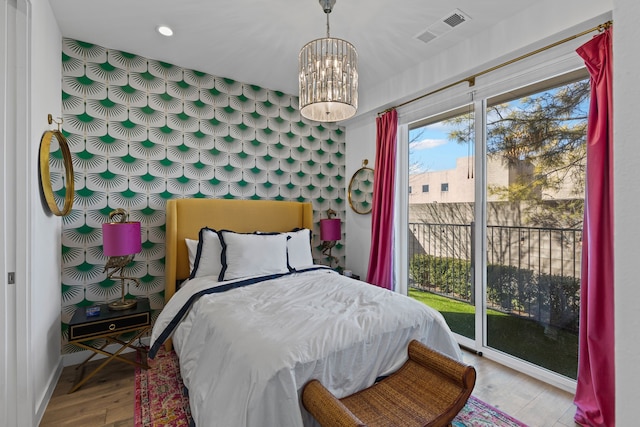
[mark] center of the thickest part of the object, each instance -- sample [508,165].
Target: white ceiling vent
[456,18]
[445,24]
[426,36]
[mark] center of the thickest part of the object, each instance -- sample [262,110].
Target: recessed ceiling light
[165,31]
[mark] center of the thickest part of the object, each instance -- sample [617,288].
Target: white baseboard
[41,407]
[76,358]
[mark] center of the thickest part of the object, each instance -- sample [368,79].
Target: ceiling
[258,41]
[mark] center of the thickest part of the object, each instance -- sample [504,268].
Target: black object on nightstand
[109,325]
[349,273]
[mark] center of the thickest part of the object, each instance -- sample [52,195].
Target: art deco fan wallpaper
[142,131]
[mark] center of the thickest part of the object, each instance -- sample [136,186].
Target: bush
[561,302]
[445,275]
[549,299]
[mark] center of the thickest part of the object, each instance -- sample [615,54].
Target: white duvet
[246,353]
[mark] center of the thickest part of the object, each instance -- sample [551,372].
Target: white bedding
[246,353]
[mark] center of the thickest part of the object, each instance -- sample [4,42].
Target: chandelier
[328,77]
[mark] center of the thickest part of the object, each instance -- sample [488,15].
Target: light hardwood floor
[108,398]
[529,400]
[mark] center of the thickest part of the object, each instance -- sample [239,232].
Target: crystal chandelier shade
[328,78]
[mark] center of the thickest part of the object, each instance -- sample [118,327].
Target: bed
[250,333]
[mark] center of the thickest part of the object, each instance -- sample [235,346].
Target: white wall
[41,248]
[626,34]
[45,253]
[360,145]
[532,28]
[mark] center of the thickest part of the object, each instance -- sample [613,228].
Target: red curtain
[381,256]
[595,399]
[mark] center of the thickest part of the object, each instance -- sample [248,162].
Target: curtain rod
[472,79]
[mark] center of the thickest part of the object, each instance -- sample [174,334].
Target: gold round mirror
[53,145]
[360,190]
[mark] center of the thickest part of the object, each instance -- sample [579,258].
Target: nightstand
[109,325]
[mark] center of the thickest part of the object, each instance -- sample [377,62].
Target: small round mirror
[53,150]
[361,190]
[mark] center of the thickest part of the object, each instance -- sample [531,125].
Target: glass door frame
[479,263]
[457,97]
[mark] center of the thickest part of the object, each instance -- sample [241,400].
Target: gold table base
[81,379]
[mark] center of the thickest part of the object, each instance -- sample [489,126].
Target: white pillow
[192,248]
[252,254]
[207,258]
[299,249]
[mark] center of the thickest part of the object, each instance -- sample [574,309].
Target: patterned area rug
[161,400]
[476,413]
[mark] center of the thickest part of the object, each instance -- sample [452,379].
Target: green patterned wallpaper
[143,131]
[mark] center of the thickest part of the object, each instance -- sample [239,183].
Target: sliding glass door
[525,236]
[441,211]
[536,152]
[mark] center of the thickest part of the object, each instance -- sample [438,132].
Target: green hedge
[448,275]
[550,299]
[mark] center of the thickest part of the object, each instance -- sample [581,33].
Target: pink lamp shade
[121,238]
[330,229]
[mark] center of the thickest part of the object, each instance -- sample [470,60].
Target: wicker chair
[428,390]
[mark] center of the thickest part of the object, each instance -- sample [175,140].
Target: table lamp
[330,232]
[120,241]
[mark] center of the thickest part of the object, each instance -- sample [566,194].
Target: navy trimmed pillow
[299,248]
[208,256]
[252,254]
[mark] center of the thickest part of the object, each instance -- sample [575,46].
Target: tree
[415,167]
[542,139]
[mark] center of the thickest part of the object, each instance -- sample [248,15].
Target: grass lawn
[520,337]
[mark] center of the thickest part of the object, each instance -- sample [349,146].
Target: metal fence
[531,271]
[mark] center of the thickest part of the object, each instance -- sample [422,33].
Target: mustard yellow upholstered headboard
[185,218]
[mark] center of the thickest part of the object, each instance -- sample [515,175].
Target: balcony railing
[532,272]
